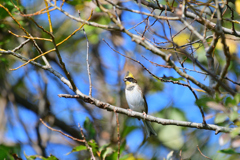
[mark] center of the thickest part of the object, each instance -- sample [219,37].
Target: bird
[137,101]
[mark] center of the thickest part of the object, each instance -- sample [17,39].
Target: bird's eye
[130,79]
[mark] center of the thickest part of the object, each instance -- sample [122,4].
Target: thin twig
[118,134]
[143,13]
[43,39]
[164,66]
[210,60]
[150,118]
[180,154]
[49,17]
[189,14]
[31,37]
[51,49]
[232,81]
[56,130]
[87,59]
[21,45]
[159,78]
[226,52]
[149,46]
[181,63]
[202,153]
[86,143]
[106,106]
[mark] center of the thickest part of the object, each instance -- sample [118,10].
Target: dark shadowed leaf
[228,151]
[203,101]
[88,126]
[93,145]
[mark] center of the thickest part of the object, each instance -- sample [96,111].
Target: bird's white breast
[135,99]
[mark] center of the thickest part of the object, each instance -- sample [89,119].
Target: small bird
[136,100]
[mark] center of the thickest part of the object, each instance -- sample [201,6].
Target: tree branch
[116,109]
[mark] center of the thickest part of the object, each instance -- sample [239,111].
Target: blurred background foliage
[31,93]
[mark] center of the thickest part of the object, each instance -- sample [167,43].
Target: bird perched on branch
[136,101]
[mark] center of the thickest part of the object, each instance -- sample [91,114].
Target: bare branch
[162,121]
[86,143]
[202,153]
[112,108]
[87,59]
[55,130]
[21,45]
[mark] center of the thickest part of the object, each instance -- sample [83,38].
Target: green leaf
[107,152]
[89,128]
[228,151]
[220,118]
[93,145]
[51,157]
[29,157]
[122,147]
[171,113]
[77,149]
[230,102]
[168,133]
[235,132]
[203,101]
[5,151]
[103,147]
[233,115]
[97,9]
[237,98]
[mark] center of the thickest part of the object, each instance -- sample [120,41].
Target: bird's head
[129,79]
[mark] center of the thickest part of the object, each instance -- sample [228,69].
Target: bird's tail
[149,129]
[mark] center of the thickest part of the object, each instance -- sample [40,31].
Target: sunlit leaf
[32,157]
[230,43]
[51,157]
[108,151]
[77,149]
[181,39]
[220,118]
[103,147]
[171,136]
[237,6]
[233,115]
[237,98]
[235,132]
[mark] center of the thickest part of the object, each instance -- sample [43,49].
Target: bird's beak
[124,80]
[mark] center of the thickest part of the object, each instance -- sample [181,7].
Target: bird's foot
[130,111]
[145,115]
